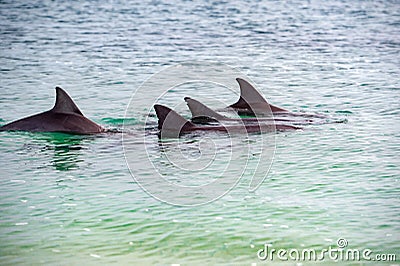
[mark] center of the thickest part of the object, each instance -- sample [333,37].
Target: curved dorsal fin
[170,123]
[249,93]
[198,109]
[168,119]
[249,96]
[64,103]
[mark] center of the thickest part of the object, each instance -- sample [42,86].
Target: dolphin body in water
[172,125]
[203,114]
[251,102]
[65,117]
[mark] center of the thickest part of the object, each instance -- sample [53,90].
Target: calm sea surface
[70,200]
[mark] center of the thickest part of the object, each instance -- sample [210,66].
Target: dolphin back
[65,116]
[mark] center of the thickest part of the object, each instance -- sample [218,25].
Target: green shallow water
[68,200]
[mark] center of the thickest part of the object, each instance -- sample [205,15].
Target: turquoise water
[68,200]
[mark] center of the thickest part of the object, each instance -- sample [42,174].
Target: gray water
[68,200]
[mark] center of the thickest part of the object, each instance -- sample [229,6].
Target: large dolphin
[171,124]
[65,117]
[202,113]
[252,102]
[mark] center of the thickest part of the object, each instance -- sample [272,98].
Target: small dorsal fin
[170,123]
[64,103]
[198,109]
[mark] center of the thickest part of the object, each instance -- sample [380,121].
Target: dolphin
[252,102]
[203,114]
[171,124]
[65,117]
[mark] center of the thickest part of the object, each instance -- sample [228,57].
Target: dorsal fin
[249,93]
[170,123]
[198,109]
[64,104]
[249,96]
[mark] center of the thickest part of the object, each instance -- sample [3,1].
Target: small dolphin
[252,102]
[202,113]
[171,124]
[65,117]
